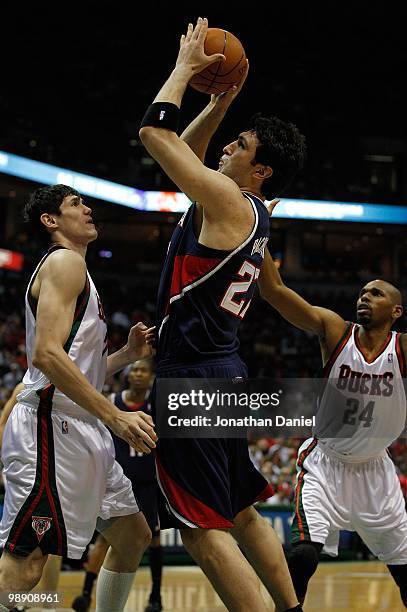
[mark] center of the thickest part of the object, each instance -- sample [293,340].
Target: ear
[49,221]
[397,312]
[263,172]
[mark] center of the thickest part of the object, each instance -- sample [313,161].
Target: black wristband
[163,115]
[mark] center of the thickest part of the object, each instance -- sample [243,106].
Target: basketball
[221,76]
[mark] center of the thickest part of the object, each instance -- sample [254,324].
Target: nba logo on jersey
[390,358]
[65,427]
[41,524]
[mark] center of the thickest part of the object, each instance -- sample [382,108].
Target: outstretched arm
[328,325]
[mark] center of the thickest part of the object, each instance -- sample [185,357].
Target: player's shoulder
[332,319]
[63,261]
[66,269]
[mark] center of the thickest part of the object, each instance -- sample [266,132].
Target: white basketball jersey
[86,346]
[362,408]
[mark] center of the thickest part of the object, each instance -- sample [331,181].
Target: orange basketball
[221,76]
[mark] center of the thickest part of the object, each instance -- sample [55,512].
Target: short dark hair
[45,200]
[282,147]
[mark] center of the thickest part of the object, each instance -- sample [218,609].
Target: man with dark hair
[56,446]
[206,286]
[346,479]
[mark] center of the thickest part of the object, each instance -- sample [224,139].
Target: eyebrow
[243,139]
[76,198]
[364,290]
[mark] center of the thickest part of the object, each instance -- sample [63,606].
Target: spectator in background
[283,497]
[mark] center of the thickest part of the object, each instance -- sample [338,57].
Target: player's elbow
[145,133]
[44,357]
[149,135]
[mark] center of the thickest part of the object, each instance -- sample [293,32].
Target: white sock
[112,590]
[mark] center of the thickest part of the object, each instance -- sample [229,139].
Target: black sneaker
[81,603]
[153,606]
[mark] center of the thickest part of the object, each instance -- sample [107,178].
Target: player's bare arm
[57,286]
[8,407]
[219,195]
[135,348]
[199,132]
[326,324]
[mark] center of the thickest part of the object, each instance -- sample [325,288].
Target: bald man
[345,477]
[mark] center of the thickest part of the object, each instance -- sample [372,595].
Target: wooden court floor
[364,586]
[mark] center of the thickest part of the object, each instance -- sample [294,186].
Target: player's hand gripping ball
[221,76]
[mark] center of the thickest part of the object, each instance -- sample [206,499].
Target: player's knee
[399,573]
[197,542]
[302,563]
[190,537]
[246,519]
[31,570]
[143,536]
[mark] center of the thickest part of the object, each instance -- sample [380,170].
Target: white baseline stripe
[175,513]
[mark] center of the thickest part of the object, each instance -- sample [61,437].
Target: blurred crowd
[271,348]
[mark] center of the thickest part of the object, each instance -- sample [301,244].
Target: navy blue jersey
[204,293]
[137,466]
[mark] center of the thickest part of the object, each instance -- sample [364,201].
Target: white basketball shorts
[365,497]
[61,476]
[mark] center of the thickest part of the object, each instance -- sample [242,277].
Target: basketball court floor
[364,586]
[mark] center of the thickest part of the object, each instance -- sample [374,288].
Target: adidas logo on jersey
[259,246]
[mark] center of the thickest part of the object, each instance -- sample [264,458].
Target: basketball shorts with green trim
[364,496]
[61,475]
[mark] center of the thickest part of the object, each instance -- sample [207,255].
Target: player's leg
[128,537]
[147,497]
[21,573]
[231,575]
[50,574]
[94,563]
[32,506]
[381,520]
[302,562]
[50,579]
[156,566]
[399,573]
[262,547]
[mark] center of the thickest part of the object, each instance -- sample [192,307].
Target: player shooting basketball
[206,286]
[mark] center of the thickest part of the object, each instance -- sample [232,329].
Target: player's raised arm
[325,323]
[199,132]
[62,279]
[217,193]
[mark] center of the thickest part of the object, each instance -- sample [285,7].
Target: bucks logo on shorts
[41,524]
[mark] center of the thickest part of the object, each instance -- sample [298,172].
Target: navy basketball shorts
[206,482]
[146,494]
